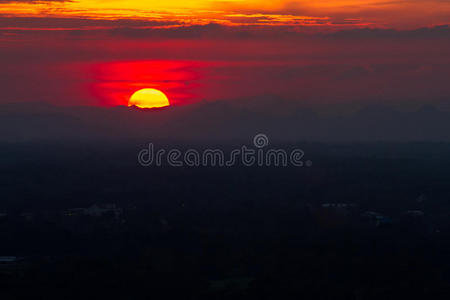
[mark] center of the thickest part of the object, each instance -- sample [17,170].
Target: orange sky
[98,52]
[402,14]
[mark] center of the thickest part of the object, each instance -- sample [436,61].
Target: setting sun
[148,98]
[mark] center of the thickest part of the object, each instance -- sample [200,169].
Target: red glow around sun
[115,82]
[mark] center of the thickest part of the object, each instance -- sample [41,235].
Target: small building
[28,216]
[7,260]
[422,198]
[413,217]
[334,214]
[73,212]
[414,213]
[376,219]
[12,264]
[96,210]
[99,210]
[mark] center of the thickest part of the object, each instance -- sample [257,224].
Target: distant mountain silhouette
[218,121]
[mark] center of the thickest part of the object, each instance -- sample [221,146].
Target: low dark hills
[219,121]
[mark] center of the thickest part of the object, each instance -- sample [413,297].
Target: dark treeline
[88,222]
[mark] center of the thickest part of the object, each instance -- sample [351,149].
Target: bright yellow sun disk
[148,98]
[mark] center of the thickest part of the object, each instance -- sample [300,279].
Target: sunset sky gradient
[324,13]
[91,52]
